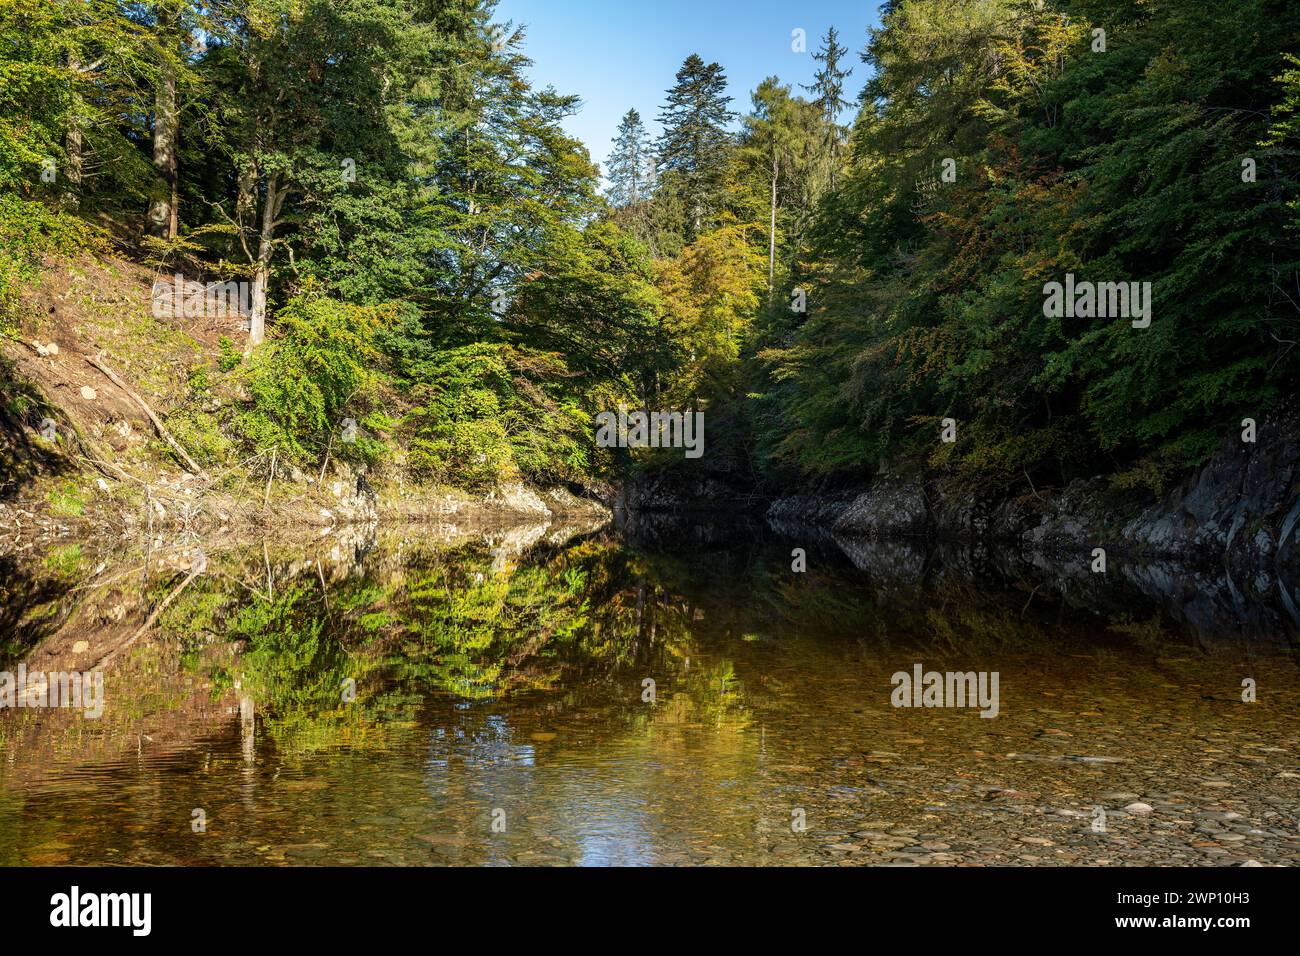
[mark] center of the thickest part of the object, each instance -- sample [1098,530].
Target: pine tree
[628,167]
[829,90]
[695,142]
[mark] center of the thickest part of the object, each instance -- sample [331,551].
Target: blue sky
[619,54]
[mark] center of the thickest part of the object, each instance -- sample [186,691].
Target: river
[587,695]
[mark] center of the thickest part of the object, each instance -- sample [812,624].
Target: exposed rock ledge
[1242,508]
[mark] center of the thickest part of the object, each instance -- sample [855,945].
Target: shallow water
[501,713]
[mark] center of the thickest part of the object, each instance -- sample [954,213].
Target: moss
[64,561]
[66,499]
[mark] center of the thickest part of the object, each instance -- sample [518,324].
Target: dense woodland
[430,253]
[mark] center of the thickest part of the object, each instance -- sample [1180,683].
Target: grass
[65,499]
[64,561]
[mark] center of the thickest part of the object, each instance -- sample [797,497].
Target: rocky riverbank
[1242,509]
[84,507]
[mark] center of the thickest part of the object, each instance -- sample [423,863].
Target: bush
[322,364]
[491,413]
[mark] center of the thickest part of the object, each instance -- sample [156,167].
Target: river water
[665,695]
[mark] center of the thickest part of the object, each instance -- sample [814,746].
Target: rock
[80,647]
[52,348]
[817,510]
[88,393]
[1243,505]
[892,505]
[519,497]
[1138,808]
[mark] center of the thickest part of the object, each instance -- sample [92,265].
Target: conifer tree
[628,166]
[695,143]
[829,89]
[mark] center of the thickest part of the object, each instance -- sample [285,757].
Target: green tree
[829,89]
[629,167]
[693,150]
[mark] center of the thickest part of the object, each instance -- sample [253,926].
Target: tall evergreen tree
[695,143]
[769,142]
[628,167]
[829,90]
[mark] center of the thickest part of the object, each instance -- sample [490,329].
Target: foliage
[694,146]
[322,365]
[1116,166]
[428,248]
[491,413]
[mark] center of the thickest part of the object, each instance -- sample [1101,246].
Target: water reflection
[480,696]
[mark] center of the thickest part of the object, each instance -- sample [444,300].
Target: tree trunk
[246,201]
[162,212]
[771,233]
[72,139]
[261,277]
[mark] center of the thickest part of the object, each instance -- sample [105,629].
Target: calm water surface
[481,697]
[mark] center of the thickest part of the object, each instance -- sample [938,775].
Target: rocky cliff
[1242,508]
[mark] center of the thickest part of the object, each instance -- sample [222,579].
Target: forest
[430,256]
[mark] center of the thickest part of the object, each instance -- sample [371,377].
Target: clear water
[501,715]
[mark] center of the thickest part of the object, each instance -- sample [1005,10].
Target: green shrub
[322,364]
[490,414]
[200,433]
[230,358]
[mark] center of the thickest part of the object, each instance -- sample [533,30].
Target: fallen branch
[144,629]
[110,470]
[162,431]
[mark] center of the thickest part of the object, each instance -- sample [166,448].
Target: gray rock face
[519,497]
[891,506]
[1242,509]
[351,502]
[1243,504]
[677,492]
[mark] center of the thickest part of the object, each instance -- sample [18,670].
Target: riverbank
[82,507]
[118,419]
[1240,510]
